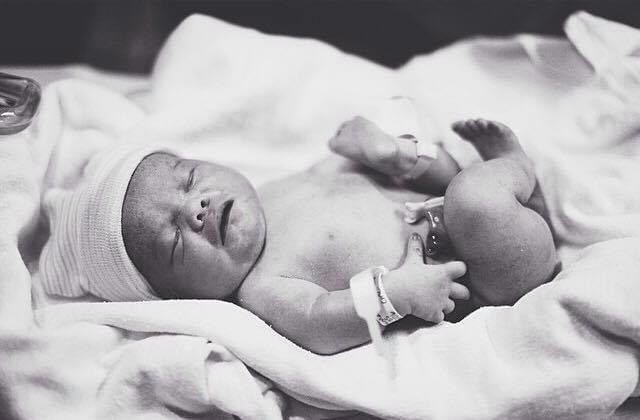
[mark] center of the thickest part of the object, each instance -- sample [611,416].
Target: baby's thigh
[507,247]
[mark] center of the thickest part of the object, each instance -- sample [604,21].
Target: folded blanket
[267,105]
[85,371]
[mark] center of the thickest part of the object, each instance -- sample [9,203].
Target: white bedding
[266,105]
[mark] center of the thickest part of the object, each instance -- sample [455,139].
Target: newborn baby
[150,225]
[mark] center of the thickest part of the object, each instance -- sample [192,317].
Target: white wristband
[426,153]
[367,304]
[387,314]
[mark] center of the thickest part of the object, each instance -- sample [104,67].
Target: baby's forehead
[154,170]
[148,180]
[141,218]
[156,163]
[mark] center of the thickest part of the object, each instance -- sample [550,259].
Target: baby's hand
[425,291]
[363,141]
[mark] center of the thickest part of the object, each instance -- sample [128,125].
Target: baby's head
[193,229]
[147,224]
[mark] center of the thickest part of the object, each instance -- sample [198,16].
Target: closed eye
[176,239]
[191,179]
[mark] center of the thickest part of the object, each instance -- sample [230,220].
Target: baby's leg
[507,246]
[363,141]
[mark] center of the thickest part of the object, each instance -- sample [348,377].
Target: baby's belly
[329,239]
[346,251]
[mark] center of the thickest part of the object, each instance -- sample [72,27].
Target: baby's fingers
[454,269]
[438,318]
[449,306]
[459,291]
[415,250]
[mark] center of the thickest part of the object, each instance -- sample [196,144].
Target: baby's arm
[363,141]
[325,322]
[318,320]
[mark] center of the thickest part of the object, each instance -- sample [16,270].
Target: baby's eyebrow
[178,162]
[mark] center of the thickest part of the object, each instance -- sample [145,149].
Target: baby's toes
[460,127]
[493,126]
[477,128]
[466,128]
[498,128]
[484,126]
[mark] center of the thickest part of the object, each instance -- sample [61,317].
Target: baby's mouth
[224,220]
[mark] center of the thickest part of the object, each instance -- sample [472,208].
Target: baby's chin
[247,234]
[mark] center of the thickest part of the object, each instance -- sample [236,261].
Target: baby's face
[193,229]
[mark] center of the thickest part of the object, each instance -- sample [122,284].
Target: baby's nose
[196,212]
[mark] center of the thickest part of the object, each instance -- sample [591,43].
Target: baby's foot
[490,138]
[361,140]
[495,140]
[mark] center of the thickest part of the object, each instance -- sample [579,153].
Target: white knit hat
[86,252]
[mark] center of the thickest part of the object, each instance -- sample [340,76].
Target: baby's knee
[473,201]
[462,193]
[506,246]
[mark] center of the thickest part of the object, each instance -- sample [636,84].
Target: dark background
[126,35]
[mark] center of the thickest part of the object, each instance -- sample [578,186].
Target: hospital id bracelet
[426,153]
[387,314]
[367,305]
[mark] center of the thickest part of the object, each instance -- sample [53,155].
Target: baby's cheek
[201,254]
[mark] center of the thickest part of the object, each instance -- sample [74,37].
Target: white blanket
[566,350]
[266,105]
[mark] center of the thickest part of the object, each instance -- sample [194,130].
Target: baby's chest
[335,235]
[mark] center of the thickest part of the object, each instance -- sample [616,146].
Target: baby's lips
[210,229]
